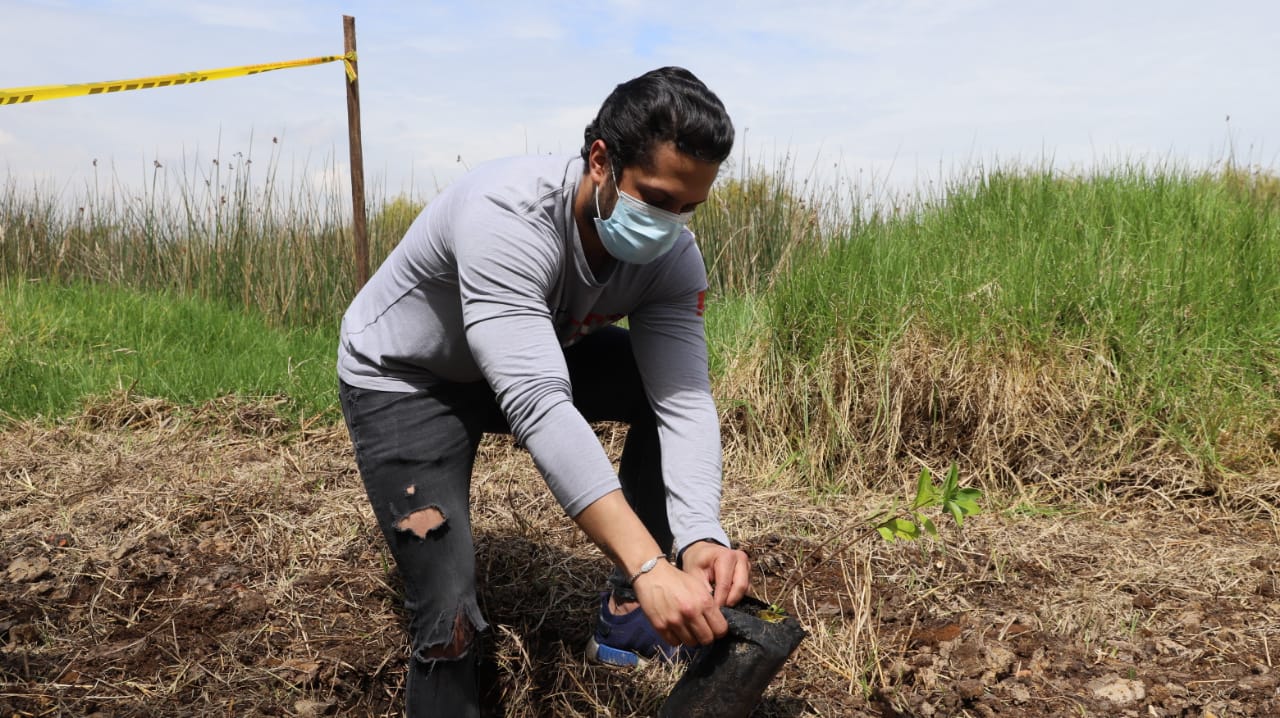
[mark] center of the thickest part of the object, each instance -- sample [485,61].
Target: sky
[885,96]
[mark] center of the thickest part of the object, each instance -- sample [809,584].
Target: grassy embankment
[1117,332]
[1079,337]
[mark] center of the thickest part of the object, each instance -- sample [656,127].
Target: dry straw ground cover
[162,561]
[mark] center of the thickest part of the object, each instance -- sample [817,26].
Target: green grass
[1172,279]
[1141,257]
[62,344]
[1026,322]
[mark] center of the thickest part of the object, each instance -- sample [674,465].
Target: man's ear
[598,162]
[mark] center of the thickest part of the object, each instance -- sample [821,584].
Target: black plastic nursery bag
[727,679]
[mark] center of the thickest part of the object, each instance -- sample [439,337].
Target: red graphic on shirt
[702,302]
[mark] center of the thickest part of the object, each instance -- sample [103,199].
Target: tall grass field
[1053,333]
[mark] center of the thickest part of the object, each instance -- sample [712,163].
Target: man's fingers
[687,611]
[718,625]
[684,625]
[672,631]
[732,577]
[679,636]
[722,577]
[741,579]
[702,617]
[705,628]
[695,631]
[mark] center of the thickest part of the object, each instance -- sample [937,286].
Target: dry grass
[1016,420]
[215,561]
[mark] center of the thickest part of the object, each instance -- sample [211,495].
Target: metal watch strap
[680,556]
[646,567]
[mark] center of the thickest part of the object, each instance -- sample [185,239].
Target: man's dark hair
[669,104]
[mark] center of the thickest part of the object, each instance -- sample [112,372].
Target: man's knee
[454,646]
[421,521]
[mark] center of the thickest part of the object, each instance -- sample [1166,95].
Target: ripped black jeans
[416,450]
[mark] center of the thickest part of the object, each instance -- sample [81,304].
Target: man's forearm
[611,524]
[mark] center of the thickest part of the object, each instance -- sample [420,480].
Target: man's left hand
[724,568]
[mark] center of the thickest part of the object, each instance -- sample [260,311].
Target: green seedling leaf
[951,484]
[967,499]
[898,529]
[927,525]
[772,614]
[926,492]
[960,507]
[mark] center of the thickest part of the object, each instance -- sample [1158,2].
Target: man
[495,313]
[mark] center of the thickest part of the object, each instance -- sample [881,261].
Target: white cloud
[236,14]
[894,89]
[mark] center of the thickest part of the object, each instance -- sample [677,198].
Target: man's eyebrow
[649,191]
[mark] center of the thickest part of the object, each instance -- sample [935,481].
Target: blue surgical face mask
[637,232]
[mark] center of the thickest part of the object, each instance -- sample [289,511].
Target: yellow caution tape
[20,95]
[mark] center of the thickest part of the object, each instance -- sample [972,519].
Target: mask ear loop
[615,190]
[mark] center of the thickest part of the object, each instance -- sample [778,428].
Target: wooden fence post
[359,223]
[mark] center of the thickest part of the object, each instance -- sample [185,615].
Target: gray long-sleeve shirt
[490,282]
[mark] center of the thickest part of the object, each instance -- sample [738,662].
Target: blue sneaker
[629,639]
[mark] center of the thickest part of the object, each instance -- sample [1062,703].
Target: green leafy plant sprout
[908,523]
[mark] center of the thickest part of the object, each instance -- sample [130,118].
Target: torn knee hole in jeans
[423,521]
[457,647]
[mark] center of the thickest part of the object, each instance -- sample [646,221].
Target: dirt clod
[1117,690]
[312,709]
[27,568]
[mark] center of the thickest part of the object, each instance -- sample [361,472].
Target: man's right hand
[678,603]
[680,606]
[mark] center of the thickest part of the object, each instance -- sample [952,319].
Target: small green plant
[908,523]
[950,497]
